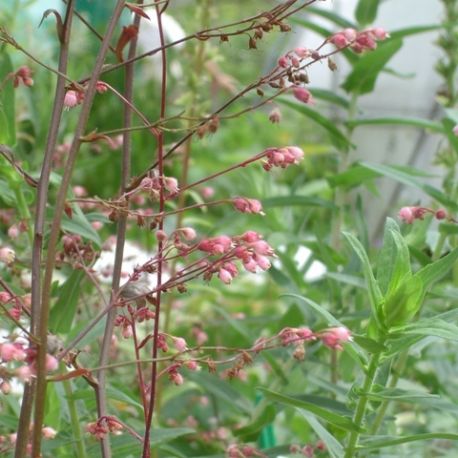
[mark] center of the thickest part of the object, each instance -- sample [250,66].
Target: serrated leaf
[335,419]
[364,75]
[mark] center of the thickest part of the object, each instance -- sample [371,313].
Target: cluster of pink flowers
[75,96]
[242,451]
[103,426]
[335,337]
[47,433]
[245,205]
[24,76]
[294,58]
[154,184]
[358,41]
[7,255]
[282,157]
[410,214]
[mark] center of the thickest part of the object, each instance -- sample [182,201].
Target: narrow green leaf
[330,96]
[428,327]
[80,225]
[333,446]
[339,140]
[264,417]
[7,102]
[375,295]
[335,419]
[366,11]
[331,16]
[389,441]
[402,176]
[398,121]
[364,75]
[296,200]
[353,176]
[408,31]
[64,310]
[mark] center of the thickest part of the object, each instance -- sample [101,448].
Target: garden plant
[186,265]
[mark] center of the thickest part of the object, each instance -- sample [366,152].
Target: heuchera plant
[51,228]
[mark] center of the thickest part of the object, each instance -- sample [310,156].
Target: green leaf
[330,96]
[339,140]
[331,16]
[296,200]
[370,345]
[428,327]
[393,263]
[353,176]
[262,418]
[433,126]
[362,78]
[64,310]
[410,179]
[435,271]
[408,31]
[335,419]
[7,103]
[366,11]
[80,225]
[388,441]
[375,295]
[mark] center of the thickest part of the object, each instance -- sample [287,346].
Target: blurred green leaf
[80,225]
[388,441]
[433,126]
[362,78]
[428,327]
[339,140]
[296,200]
[7,104]
[335,419]
[366,11]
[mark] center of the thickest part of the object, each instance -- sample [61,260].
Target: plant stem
[74,420]
[40,214]
[102,408]
[42,325]
[360,412]
[397,370]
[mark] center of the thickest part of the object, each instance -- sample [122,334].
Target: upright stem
[43,311]
[102,409]
[360,412]
[160,160]
[40,212]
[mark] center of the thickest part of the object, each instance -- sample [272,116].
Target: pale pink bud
[207,192]
[262,248]
[262,262]
[283,62]
[79,191]
[97,225]
[339,40]
[13,231]
[10,351]
[5,387]
[379,33]
[48,432]
[192,365]
[307,451]
[127,331]
[407,214]
[188,233]
[176,378]
[71,99]
[201,337]
[302,94]
[5,297]
[334,337]
[275,116]
[51,363]
[297,153]
[7,255]
[225,276]
[440,214]
[350,34]
[302,52]
[294,448]
[13,438]
[251,236]
[24,373]
[161,236]
[180,344]
[171,184]
[101,87]
[455,130]
[305,333]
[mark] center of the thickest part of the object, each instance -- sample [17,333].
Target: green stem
[362,404]
[397,370]
[74,420]
[439,246]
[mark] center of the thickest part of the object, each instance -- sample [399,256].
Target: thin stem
[160,158]
[42,326]
[40,214]
[74,420]
[121,233]
[360,412]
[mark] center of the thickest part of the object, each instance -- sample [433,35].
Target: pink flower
[171,184]
[12,351]
[350,34]
[339,40]
[176,378]
[275,116]
[13,231]
[192,365]
[71,99]
[302,94]
[302,52]
[334,337]
[188,233]
[101,87]
[225,276]
[24,373]
[51,363]
[261,247]
[245,205]
[180,344]
[216,245]
[23,75]
[5,297]
[48,432]
[455,130]
[440,214]
[305,333]
[283,62]
[407,214]
[379,33]
[7,255]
